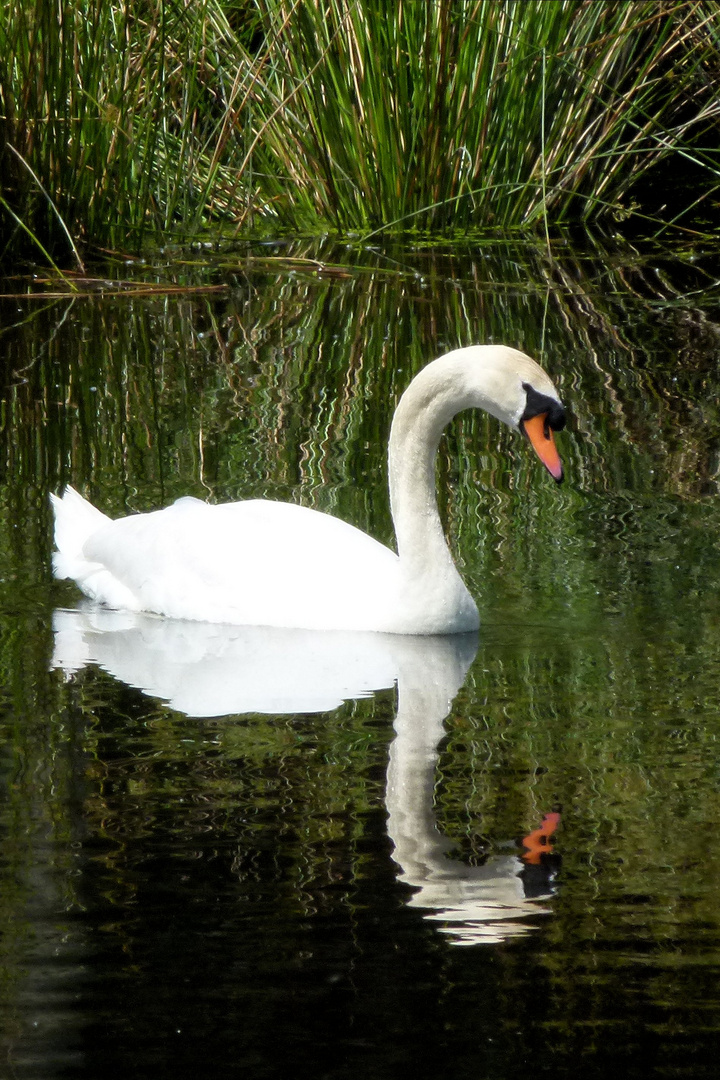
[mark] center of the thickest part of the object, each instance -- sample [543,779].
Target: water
[334,883]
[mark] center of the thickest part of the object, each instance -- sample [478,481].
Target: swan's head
[515,389]
[502,381]
[543,414]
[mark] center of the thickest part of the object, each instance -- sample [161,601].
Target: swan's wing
[256,562]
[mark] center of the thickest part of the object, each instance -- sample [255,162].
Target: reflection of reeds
[297,373]
[599,648]
[283,385]
[166,118]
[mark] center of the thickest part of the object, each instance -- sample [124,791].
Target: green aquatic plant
[123,124]
[110,119]
[481,113]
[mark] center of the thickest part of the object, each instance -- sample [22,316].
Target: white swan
[267,563]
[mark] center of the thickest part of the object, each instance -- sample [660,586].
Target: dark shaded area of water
[220,852]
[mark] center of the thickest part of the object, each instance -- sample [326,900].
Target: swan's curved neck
[439,392]
[417,427]
[483,377]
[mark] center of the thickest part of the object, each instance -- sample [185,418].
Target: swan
[268,563]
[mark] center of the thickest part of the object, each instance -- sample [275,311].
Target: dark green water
[338,888]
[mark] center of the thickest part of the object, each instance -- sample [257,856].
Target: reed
[480,113]
[122,123]
[110,114]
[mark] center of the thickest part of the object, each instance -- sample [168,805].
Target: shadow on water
[197,879]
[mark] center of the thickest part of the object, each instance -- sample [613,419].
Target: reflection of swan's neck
[426,689]
[420,848]
[485,903]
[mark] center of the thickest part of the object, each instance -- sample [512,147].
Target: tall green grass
[111,114]
[122,123]
[482,112]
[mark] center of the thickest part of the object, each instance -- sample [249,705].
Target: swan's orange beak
[540,435]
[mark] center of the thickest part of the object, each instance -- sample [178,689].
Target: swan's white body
[276,564]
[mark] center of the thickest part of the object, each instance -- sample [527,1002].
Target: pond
[227,851]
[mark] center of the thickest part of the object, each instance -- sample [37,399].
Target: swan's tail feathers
[75,520]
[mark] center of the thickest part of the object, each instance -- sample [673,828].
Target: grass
[114,108]
[123,124]
[482,113]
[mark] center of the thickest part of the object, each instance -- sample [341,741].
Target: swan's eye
[537,404]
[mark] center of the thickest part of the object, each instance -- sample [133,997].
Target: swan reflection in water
[211,670]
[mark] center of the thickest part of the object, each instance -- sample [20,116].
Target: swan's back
[255,562]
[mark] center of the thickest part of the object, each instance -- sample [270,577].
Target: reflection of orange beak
[541,437]
[537,842]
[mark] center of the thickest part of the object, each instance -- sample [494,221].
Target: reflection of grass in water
[599,643]
[286,388]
